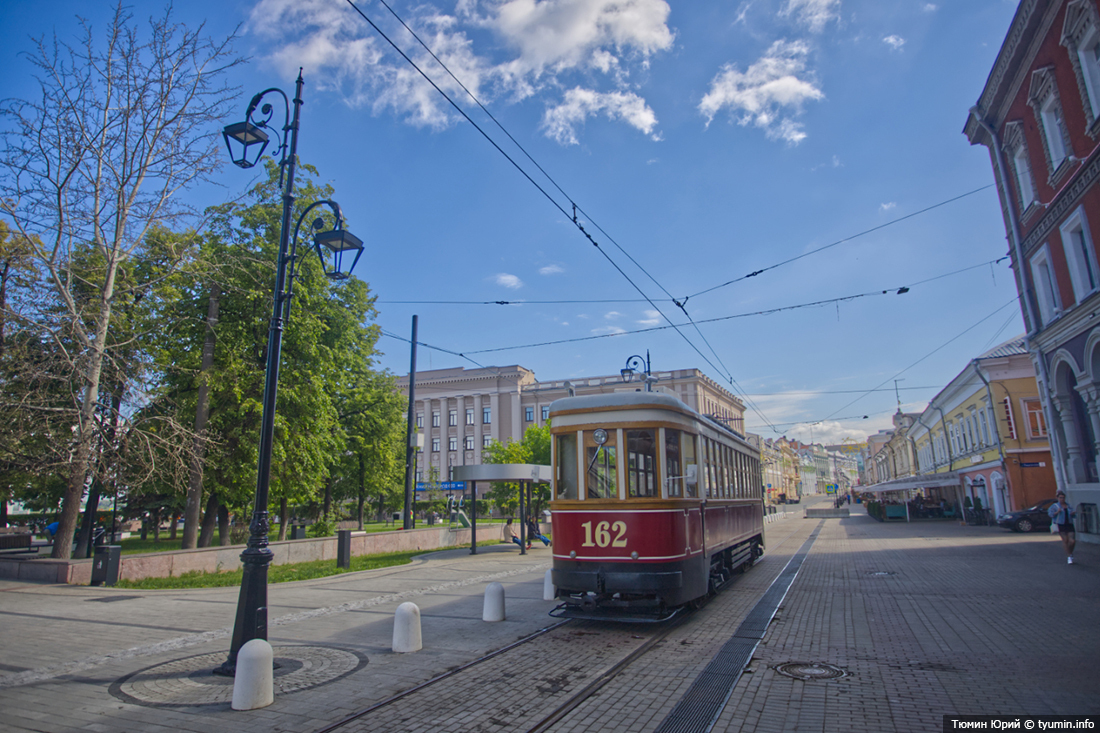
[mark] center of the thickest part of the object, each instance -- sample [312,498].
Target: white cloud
[652,318]
[509,281]
[930,7]
[813,14]
[612,315]
[524,48]
[602,330]
[551,270]
[561,122]
[887,206]
[766,91]
[894,42]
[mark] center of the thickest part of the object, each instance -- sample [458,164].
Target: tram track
[545,721]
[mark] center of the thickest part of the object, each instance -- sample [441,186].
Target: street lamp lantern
[338,242]
[635,363]
[248,140]
[251,140]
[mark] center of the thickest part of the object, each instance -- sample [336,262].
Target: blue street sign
[442,486]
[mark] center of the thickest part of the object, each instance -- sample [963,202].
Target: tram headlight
[572,554]
[634,555]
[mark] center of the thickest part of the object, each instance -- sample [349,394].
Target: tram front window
[603,467]
[567,467]
[641,458]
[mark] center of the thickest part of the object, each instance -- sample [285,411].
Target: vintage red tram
[654,505]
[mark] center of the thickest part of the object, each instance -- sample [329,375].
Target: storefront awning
[927,481]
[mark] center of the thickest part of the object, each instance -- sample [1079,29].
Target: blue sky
[703,143]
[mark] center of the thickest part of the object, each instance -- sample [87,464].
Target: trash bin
[343,548]
[297,531]
[105,564]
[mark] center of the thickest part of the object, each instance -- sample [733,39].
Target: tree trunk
[328,498]
[175,523]
[283,519]
[202,413]
[84,541]
[156,525]
[362,492]
[223,526]
[209,521]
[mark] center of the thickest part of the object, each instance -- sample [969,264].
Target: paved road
[925,619]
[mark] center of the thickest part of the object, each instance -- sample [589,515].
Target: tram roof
[618,400]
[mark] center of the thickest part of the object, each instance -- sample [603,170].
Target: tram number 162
[603,534]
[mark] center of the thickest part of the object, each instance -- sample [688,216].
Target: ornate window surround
[1044,100]
[1080,31]
[1015,144]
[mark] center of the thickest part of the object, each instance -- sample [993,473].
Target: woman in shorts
[1061,514]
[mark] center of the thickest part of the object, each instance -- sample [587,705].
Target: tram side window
[567,467]
[673,466]
[641,462]
[688,453]
[708,460]
[603,467]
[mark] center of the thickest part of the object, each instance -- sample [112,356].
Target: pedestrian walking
[510,533]
[1061,515]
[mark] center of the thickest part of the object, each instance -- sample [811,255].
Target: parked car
[1028,520]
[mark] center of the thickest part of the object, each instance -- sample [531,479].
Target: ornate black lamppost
[635,363]
[250,138]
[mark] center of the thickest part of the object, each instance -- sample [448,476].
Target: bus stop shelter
[525,474]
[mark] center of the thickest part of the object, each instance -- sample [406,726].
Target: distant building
[461,411]
[1039,116]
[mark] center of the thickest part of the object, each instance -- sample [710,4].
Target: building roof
[1013,347]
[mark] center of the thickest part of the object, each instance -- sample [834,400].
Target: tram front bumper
[596,581]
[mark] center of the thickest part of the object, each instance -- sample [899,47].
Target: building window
[1015,145]
[529,414]
[469,442]
[452,443]
[1081,37]
[1036,423]
[452,418]
[435,445]
[545,413]
[420,419]
[985,429]
[486,440]
[419,476]
[1080,255]
[435,419]
[486,415]
[1046,293]
[470,416]
[1043,98]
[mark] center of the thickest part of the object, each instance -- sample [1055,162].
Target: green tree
[121,125]
[533,449]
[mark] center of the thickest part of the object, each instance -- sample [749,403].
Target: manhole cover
[810,671]
[881,573]
[191,681]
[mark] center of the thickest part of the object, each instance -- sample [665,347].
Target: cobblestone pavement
[926,619]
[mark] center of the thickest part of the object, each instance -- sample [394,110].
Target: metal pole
[522,519]
[410,449]
[472,485]
[251,621]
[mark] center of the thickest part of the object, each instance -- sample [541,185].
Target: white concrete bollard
[253,682]
[548,593]
[494,603]
[406,629]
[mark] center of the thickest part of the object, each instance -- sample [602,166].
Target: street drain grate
[810,670]
[881,573]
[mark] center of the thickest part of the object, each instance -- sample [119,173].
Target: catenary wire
[930,353]
[839,241]
[545,193]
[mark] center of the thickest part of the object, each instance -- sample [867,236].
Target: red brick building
[1039,116]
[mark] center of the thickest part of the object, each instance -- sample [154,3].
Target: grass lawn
[279,573]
